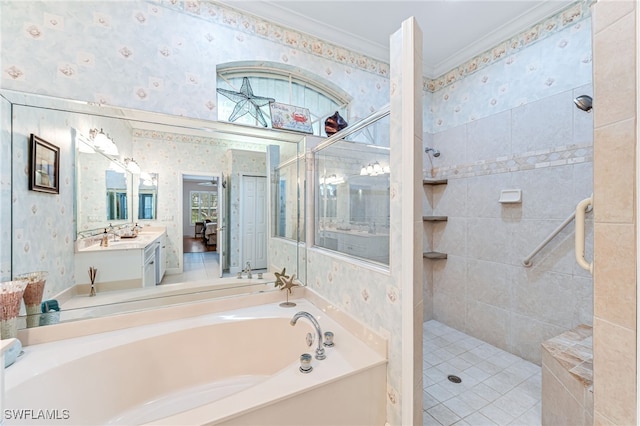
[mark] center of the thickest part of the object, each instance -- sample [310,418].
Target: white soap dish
[510,196]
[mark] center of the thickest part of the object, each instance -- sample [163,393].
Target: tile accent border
[559,156]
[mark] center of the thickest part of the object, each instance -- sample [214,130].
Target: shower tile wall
[511,124]
[615,149]
[543,148]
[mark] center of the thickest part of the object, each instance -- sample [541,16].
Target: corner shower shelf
[434,255]
[430,218]
[434,181]
[435,218]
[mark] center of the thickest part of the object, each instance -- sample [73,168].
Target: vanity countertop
[356,232]
[145,237]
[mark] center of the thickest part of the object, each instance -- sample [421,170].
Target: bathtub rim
[68,330]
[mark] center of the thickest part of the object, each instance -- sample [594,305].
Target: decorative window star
[246,102]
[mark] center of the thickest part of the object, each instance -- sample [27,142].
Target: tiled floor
[497,388]
[197,267]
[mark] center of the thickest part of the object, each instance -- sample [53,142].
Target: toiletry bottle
[105,239]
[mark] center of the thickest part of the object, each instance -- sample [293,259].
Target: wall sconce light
[132,165]
[103,142]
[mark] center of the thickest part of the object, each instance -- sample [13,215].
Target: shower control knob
[328,339]
[305,363]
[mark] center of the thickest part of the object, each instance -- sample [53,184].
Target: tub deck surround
[203,373]
[131,300]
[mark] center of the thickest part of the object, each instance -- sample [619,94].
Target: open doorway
[200,213]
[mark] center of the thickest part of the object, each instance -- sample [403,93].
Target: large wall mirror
[352,192]
[97,189]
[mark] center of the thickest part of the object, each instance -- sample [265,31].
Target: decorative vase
[334,124]
[33,295]
[10,297]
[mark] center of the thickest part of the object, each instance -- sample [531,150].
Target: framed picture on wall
[44,165]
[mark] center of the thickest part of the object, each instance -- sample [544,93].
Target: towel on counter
[50,312]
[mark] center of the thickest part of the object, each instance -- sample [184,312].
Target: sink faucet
[112,231]
[247,270]
[302,314]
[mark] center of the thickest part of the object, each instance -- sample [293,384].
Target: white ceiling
[454,31]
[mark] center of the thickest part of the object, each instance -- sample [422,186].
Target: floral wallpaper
[549,58]
[518,43]
[44,224]
[140,54]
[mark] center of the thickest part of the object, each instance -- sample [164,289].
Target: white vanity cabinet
[126,263]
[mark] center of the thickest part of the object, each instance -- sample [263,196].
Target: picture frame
[290,117]
[44,166]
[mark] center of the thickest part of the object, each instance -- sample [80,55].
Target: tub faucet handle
[305,363]
[328,339]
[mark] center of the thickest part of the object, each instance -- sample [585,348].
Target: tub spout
[302,314]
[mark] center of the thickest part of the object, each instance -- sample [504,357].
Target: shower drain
[454,379]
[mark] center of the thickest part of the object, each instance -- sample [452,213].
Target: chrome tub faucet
[302,314]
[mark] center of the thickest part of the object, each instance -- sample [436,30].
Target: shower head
[584,102]
[436,153]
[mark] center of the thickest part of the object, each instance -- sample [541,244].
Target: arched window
[285,84]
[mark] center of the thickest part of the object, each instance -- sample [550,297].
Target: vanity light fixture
[331,180]
[103,142]
[374,169]
[132,165]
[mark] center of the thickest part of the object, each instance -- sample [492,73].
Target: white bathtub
[236,367]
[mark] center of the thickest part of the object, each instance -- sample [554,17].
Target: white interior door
[222,224]
[254,222]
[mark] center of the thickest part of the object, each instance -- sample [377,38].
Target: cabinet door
[149,279]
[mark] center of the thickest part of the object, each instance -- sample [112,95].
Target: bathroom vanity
[361,244]
[124,263]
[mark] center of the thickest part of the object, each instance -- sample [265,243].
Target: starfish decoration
[289,284]
[246,102]
[280,277]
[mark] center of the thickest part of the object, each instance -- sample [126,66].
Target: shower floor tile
[497,388]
